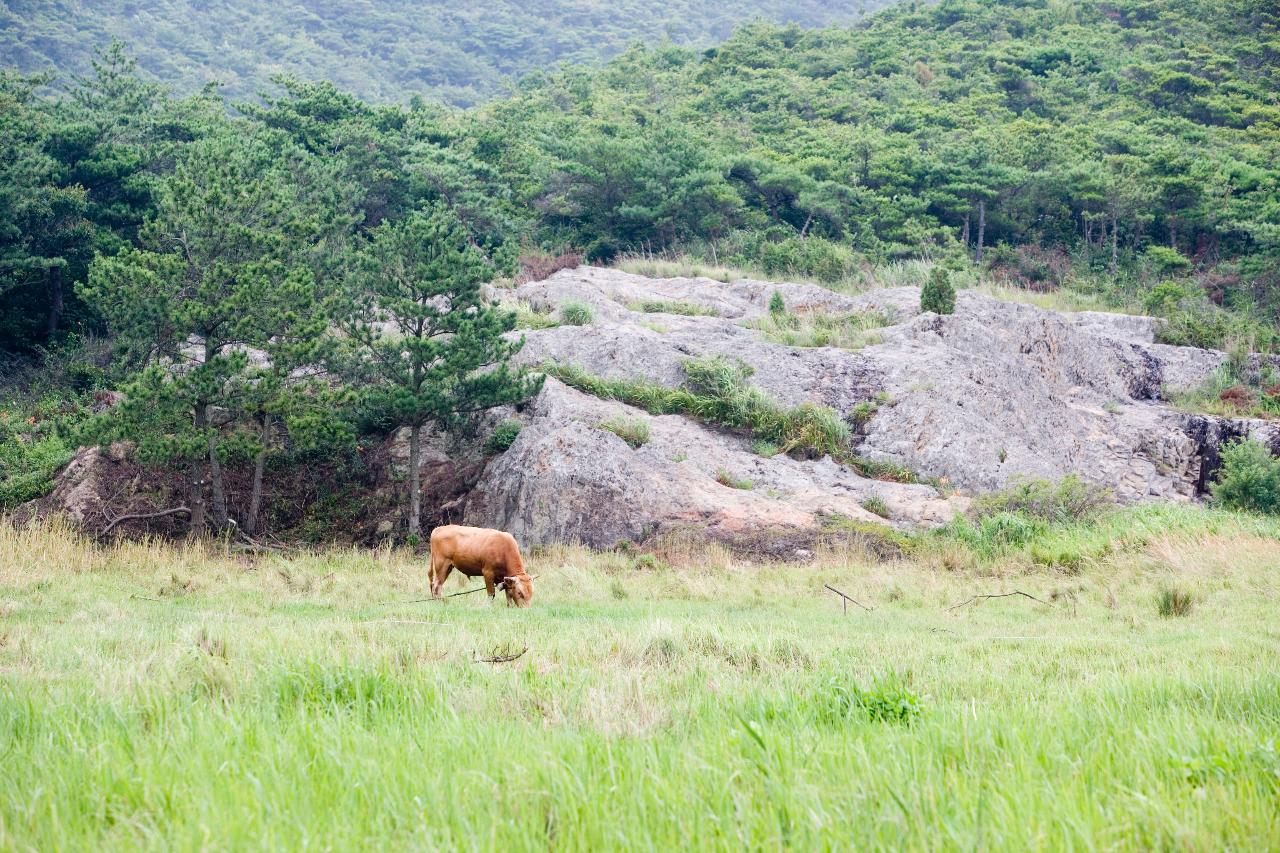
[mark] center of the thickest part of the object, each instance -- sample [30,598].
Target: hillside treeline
[388,50]
[1108,145]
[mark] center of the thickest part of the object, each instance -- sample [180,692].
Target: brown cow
[477,551]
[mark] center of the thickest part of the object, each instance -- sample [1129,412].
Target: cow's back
[475,547]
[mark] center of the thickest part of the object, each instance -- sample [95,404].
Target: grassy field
[166,698]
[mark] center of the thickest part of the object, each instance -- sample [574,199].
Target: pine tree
[219,276]
[938,294]
[433,350]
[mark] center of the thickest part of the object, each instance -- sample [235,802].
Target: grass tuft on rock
[634,431]
[717,393]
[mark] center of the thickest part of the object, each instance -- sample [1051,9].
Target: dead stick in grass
[847,599]
[505,657]
[999,595]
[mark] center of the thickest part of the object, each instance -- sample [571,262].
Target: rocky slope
[997,391]
[969,402]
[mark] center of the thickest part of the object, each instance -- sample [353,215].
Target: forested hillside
[382,49]
[1110,146]
[1126,149]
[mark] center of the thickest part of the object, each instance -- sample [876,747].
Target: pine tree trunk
[982,230]
[964,235]
[1173,233]
[196,484]
[415,481]
[1115,247]
[219,497]
[259,466]
[55,301]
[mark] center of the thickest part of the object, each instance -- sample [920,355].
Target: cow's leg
[488,583]
[440,568]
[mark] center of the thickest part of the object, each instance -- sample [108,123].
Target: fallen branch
[847,599]
[143,515]
[505,657]
[999,595]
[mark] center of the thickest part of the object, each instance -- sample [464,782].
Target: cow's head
[519,590]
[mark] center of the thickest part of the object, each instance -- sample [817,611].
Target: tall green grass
[712,705]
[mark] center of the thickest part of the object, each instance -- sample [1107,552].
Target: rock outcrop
[969,402]
[995,392]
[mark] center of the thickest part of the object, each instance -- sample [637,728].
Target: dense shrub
[1070,499]
[1249,479]
[938,294]
[1162,260]
[1032,267]
[503,436]
[811,257]
[536,266]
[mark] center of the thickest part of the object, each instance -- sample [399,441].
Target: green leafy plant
[888,700]
[1249,478]
[777,305]
[503,436]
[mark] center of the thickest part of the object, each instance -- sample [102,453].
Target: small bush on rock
[503,436]
[938,294]
[1249,479]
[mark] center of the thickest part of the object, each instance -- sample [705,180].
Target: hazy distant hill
[386,49]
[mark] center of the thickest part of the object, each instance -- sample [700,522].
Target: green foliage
[777,306]
[574,313]
[528,318]
[1233,390]
[387,49]
[1162,260]
[38,435]
[1165,298]
[222,266]
[888,700]
[430,350]
[634,431]
[717,392]
[1068,500]
[503,436]
[938,295]
[27,468]
[1249,478]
